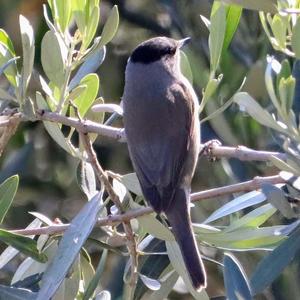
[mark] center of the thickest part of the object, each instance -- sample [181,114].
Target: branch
[103,178]
[111,220]
[215,150]
[84,126]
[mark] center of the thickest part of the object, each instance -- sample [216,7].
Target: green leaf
[12,293]
[286,92]
[9,253]
[243,239]
[262,116]
[277,198]
[53,57]
[88,96]
[253,219]
[186,67]
[86,178]
[271,266]
[78,8]
[236,283]
[279,29]
[90,65]
[24,244]
[233,16]
[5,39]
[8,191]
[266,5]
[94,282]
[167,284]
[110,27]
[178,264]
[29,267]
[210,89]
[91,27]
[285,71]
[150,283]
[217,34]
[53,128]
[151,225]
[11,71]
[28,51]
[237,204]
[62,13]
[69,247]
[132,183]
[296,38]
[97,117]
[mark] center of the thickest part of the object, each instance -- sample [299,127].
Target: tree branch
[103,178]
[111,220]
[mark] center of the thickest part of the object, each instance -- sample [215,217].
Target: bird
[162,128]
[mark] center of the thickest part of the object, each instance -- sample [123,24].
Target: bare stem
[246,186]
[103,178]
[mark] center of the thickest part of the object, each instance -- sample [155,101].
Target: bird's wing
[158,140]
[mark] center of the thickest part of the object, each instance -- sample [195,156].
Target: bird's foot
[207,149]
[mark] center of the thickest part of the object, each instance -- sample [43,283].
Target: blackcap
[163,136]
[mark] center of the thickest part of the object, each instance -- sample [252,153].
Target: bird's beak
[183,42]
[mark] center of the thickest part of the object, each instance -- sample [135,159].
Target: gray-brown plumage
[163,136]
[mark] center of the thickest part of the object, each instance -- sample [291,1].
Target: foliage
[60,266]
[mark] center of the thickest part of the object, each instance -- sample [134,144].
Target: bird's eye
[171,50]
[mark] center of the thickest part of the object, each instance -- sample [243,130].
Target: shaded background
[48,174]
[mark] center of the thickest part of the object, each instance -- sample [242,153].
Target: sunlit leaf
[217,34]
[132,183]
[69,247]
[86,179]
[53,55]
[110,27]
[254,218]
[296,39]
[186,67]
[150,283]
[91,26]
[91,64]
[8,191]
[262,116]
[178,264]
[233,16]
[28,50]
[237,204]
[11,71]
[53,128]
[155,228]
[88,96]
[5,39]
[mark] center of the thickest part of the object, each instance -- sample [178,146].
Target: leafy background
[47,174]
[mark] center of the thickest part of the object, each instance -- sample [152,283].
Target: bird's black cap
[154,49]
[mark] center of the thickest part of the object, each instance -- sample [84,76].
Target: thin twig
[103,178]
[246,186]
[86,126]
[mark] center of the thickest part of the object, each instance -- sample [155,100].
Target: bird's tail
[178,215]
